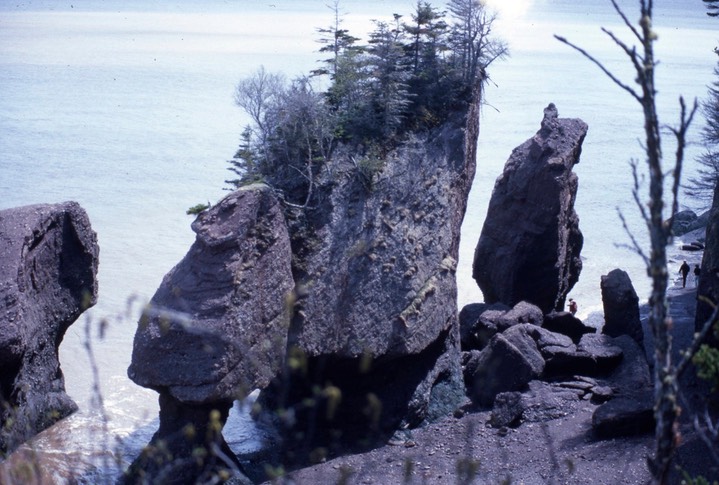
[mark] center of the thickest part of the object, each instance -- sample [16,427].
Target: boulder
[545,401]
[529,247]
[507,410]
[48,278]
[522,312]
[687,221]
[595,355]
[624,416]
[621,306]
[541,402]
[633,374]
[683,222]
[478,324]
[567,324]
[543,338]
[709,279]
[217,326]
[508,363]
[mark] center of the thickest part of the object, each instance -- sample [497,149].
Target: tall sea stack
[529,248]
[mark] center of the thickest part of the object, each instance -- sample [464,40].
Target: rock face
[217,326]
[530,244]
[709,279]
[621,306]
[372,341]
[687,221]
[375,265]
[48,268]
[480,322]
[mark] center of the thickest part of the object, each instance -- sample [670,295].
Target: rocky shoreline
[559,447]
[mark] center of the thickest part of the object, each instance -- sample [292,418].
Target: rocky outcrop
[372,342]
[217,326]
[621,306]
[525,352]
[567,324]
[479,322]
[687,221]
[624,416]
[375,264]
[530,244]
[506,364]
[48,269]
[709,279]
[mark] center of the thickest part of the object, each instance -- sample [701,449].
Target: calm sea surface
[126,107]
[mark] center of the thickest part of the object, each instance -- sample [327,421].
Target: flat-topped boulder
[48,278]
[530,244]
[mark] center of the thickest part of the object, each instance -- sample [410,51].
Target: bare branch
[631,53]
[606,71]
[681,135]
[627,22]
[703,435]
[635,247]
[635,191]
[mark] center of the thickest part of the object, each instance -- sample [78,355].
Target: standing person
[684,270]
[572,306]
[697,272]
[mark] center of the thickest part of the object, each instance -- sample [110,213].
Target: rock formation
[530,244]
[217,326]
[525,352]
[621,306]
[48,268]
[567,324]
[373,340]
[687,221]
[375,267]
[479,322]
[709,279]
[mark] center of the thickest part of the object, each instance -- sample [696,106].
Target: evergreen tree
[389,89]
[336,41]
[712,7]
[244,163]
[405,78]
[702,185]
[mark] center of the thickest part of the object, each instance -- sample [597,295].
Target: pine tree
[712,7]
[389,77]
[244,163]
[702,185]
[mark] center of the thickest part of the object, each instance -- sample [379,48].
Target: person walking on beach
[697,272]
[684,270]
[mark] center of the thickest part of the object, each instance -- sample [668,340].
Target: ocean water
[126,107]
